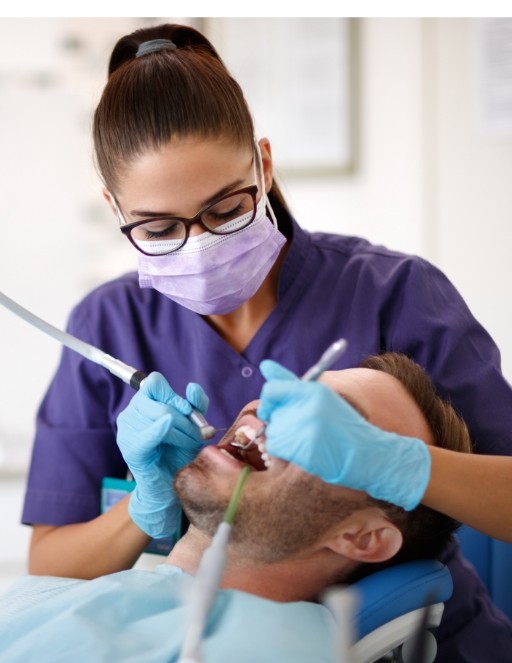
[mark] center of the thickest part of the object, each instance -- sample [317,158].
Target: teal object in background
[112,491]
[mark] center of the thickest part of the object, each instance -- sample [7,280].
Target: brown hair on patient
[425,531]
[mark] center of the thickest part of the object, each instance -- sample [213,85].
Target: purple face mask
[215,274]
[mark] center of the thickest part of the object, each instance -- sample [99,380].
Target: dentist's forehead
[382,399]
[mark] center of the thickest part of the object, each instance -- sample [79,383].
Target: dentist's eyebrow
[218,194]
[236,184]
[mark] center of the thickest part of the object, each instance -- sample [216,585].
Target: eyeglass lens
[168,234]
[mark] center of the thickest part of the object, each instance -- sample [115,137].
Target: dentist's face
[182,177]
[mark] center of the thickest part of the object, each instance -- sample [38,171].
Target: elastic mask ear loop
[120,217]
[263,190]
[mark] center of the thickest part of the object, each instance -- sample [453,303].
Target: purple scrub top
[330,286]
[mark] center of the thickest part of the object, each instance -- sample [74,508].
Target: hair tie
[153,46]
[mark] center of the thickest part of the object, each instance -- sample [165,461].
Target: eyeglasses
[227,215]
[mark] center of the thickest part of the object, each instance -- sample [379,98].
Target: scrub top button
[247,372]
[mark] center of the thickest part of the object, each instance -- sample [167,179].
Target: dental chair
[391,606]
[391,600]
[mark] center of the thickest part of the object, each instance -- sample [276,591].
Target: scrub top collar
[298,245]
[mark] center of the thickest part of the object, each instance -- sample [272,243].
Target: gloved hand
[312,426]
[156,439]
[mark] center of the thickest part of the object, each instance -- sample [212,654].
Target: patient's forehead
[382,399]
[379,397]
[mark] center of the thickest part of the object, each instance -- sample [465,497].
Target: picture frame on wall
[299,78]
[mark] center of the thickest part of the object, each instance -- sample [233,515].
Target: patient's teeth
[244,438]
[249,432]
[266,458]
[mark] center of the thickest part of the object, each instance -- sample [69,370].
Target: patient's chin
[188,481]
[202,506]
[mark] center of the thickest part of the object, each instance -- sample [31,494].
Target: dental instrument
[209,576]
[333,352]
[126,373]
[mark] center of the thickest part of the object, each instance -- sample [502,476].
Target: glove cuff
[405,479]
[156,520]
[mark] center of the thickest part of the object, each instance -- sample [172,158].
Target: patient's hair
[425,531]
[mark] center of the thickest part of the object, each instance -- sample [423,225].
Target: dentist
[225,278]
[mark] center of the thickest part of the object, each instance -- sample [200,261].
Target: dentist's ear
[110,200]
[266,158]
[366,536]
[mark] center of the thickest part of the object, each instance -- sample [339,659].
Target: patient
[293,536]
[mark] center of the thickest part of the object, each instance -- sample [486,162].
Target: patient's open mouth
[254,454]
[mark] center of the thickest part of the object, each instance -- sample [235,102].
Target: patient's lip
[251,455]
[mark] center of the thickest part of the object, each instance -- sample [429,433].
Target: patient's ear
[366,536]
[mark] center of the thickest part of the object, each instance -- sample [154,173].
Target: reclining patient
[293,536]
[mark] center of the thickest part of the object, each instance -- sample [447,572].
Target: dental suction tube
[126,373]
[208,577]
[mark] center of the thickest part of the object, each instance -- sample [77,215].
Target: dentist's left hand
[312,426]
[156,439]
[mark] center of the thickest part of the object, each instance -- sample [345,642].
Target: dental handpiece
[126,373]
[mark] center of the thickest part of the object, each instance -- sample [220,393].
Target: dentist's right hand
[156,439]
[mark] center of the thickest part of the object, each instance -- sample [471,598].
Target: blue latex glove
[156,439]
[312,426]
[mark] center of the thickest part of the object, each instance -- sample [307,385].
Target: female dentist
[226,278]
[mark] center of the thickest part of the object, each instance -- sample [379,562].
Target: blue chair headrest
[393,592]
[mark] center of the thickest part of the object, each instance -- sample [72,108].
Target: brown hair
[425,531]
[174,92]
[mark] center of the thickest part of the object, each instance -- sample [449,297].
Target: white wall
[472,174]
[382,199]
[430,180]
[427,181]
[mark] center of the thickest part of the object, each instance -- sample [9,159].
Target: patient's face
[283,509]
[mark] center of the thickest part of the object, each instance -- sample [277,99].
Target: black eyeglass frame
[126,229]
